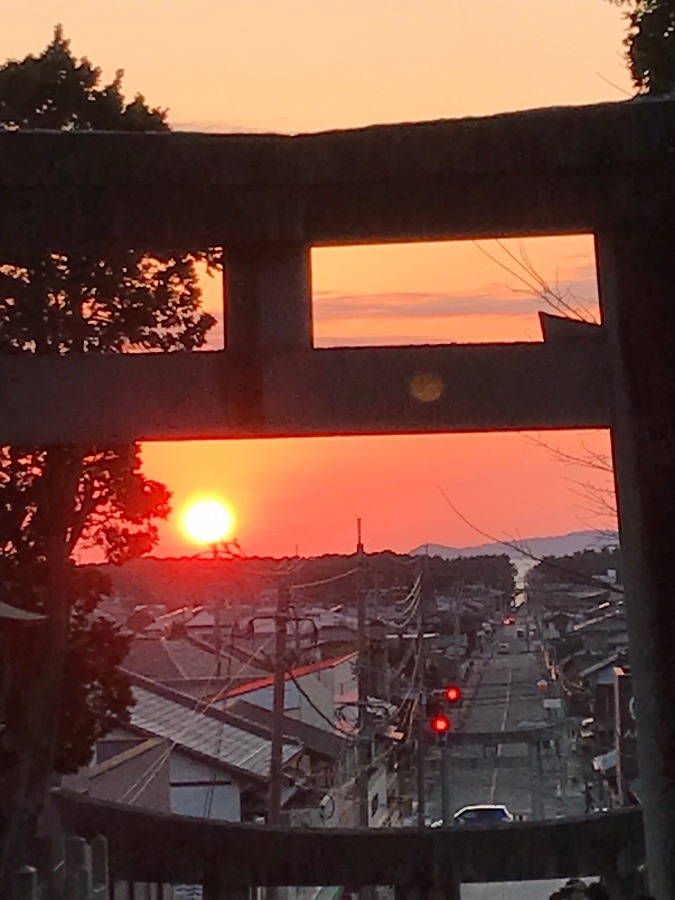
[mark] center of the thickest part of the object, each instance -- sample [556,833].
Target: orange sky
[305,65]
[307,493]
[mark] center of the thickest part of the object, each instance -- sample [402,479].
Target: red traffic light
[440,724]
[453,694]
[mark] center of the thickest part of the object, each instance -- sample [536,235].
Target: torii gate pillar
[268,298]
[636,261]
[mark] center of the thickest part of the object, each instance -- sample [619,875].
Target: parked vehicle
[503,648]
[520,632]
[488,814]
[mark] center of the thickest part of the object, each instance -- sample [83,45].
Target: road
[506,695]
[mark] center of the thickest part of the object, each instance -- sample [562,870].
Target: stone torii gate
[608,170]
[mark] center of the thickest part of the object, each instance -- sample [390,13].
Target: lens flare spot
[426,387]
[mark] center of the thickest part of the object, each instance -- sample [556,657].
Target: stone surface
[637,275]
[538,172]
[147,846]
[182,396]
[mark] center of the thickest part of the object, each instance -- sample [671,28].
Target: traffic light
[452,693]
[440,725]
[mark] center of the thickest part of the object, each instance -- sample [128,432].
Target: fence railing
[81,873]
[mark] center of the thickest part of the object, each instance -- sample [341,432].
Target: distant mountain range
[559,545]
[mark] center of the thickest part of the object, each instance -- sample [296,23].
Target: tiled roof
[212,735]
[150,659]
[172,659]
[606,662]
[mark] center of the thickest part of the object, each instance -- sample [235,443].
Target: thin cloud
[334,307]
[379,340]
[337,309]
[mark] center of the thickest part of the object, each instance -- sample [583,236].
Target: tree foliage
[54,500]
[496,572]
[581,567]
[57,91]
[650,44]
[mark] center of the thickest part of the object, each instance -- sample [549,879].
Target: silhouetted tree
[650,44]
[581,567]
[66,687]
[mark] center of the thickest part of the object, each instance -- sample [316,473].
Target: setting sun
[207,521]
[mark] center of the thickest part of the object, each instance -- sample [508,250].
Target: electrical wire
[311,584]
[513,545]
[334,726]
[147,776]
[412,608]
[272,574]
[135,790]
[412,592]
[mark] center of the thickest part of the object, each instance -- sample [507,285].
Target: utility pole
[445,784]
[280,622]
[457,616]
[362,742]
[421,705]
[217,623]
[536,779]
[421,764]
[217,635]
[540,779]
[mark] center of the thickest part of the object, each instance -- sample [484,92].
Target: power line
[513,545]
[334,725]
[147,776]
[310,584]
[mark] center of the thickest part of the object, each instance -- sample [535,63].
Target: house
[601,630]
[323,694]
[321,749]
[599,680]
[187,758]
[328,762]
[627,772]
[615,760]
[320,700]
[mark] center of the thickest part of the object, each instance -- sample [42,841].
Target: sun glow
[207,521]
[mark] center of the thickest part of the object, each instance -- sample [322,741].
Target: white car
[484,815]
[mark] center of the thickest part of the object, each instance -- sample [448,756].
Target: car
[520,632]
[509,620]
[483,815]
[503,648]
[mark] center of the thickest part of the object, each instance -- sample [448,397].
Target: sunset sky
[308,65]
